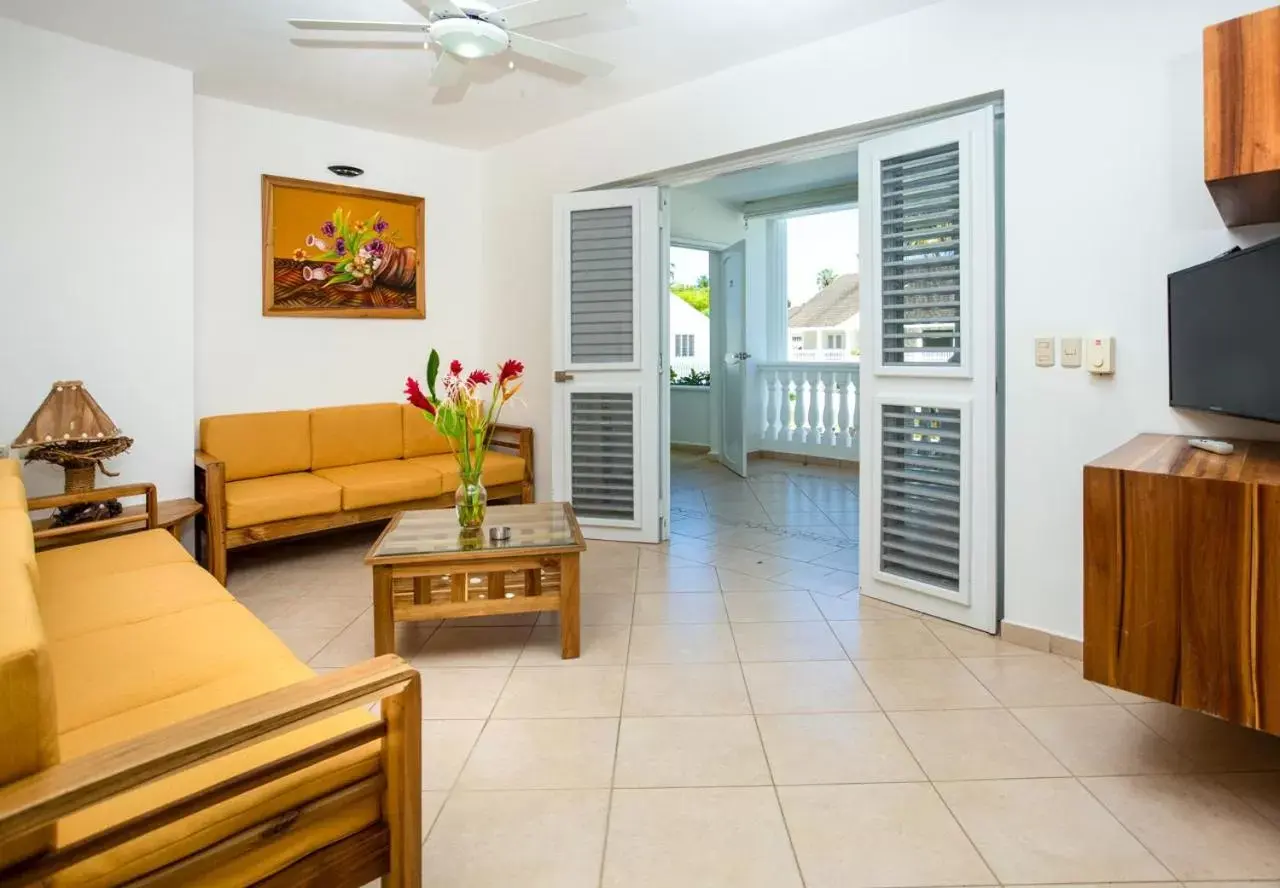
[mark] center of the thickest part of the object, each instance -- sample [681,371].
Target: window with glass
[834,341]
[685,345]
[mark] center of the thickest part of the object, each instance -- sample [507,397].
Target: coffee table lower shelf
[441,589]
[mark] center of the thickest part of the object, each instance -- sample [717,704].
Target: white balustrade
[809,408]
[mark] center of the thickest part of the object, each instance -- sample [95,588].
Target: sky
[814,242]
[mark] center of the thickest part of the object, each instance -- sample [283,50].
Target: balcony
[807,408]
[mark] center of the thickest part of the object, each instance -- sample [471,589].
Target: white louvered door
[608,299]
[928,400]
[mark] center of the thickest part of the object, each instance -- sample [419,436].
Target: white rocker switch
[1044,352]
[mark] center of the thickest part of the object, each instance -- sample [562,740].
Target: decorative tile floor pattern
[740,718]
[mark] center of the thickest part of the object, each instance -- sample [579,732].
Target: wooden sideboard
[1182,576]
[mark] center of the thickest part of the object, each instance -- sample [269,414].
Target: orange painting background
[297,213]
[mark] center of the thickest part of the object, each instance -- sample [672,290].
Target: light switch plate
[1071,351]
[1044,351]
[1100,355]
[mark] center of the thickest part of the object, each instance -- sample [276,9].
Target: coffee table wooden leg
[384,627]
[458,587]
[497,585]
[422,590]
[570,636]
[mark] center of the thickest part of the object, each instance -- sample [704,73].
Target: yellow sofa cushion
[499,468]
[10,468]
[12,494]
[361,433]
[420,435]
[28,738]
[172,668]
[378,483]
[17,542]
[255,445]
[260,500]
[131,551]
[91,604]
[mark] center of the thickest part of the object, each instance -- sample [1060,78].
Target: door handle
[742,356]
[562,376]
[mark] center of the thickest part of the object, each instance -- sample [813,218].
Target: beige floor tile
[812,686]
[534,839]
[445,747]
[555,692]
[1262,791]
[803,575]
[1099,741]
[607,580]
[761,642]
[887,836]
[1039,831]
[1120,696]
[1211,744]
[834,584]
[491,620]
[690,751]
[685,689]
[842,747]
[750,562]
[974,744]
[328,612]
[855,607]
[678,579]
[682,643]
[461,693]
[798,549]
[964,642]
[306,642]
[1034,681]
[698,837]
[846,558]
[733,581]
[679,607]
[548,753]
[1198,828]
[771,607]
[602,609]
[432,802]
[496,646]
[924,684]
[599,646]
[888,640]
[604,552]
[354,644]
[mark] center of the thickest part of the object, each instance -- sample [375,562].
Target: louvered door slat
[601,286]
[602,427]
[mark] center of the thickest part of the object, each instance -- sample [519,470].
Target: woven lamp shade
[68,413]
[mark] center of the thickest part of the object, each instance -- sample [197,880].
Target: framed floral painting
[333,251]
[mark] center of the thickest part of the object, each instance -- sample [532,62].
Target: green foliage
[703,281]
[693,377]
[695,295]
[433,370]
[827,277]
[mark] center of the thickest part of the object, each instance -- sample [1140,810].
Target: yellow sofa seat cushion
[12,494]
[261,500]
[28,737]
[10,468]
[378,483]
[499,468]
[420,435]
[172,668]
[130,551]
[17,542]
[361,433]
[255,445]
[91,604]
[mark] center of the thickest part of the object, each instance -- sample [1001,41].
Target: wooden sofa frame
[214,539]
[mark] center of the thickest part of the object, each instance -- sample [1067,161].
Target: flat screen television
[1224,334]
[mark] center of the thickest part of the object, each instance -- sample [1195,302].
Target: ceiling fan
[461,31]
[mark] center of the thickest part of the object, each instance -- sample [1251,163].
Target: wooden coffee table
[426,568]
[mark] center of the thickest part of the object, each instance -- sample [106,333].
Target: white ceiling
[240,50]
[781,179]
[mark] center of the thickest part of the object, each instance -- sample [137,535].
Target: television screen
[1224,334]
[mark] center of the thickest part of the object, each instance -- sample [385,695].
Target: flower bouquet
[354,253]
[467,420]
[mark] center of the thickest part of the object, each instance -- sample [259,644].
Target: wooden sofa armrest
[211,523]
[206,461]
[56,792]
[517,440]
[97,495]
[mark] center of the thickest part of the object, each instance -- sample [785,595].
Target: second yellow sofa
[266,476]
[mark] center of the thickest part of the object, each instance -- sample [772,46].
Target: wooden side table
[426,568]
[172,515]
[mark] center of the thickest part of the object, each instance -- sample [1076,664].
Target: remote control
[1222,448]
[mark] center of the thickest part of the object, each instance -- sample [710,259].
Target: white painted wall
[1104,145]
[96,246]
[691,415]
[704,220]
[247,362]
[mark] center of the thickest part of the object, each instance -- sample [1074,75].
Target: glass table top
[436,532]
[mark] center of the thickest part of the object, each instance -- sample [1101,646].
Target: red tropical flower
[511,369]
[414,395]
[479,377]
[455,367]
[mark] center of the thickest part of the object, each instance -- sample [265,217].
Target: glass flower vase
[470,502]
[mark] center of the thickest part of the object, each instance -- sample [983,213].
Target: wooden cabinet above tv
[1242,117]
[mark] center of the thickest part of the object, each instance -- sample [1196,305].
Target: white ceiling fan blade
[560,56]
[438,8]
[323,25]
[536,12]
[313,43]
[449,71]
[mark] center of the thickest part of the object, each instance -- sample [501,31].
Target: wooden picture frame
[320,277]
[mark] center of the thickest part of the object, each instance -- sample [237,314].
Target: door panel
[607,350]
[928,524]
[734,368]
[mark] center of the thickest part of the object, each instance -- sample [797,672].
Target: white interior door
[928,338]
[609,289]
[732,266]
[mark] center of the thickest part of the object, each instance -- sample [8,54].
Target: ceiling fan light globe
[469,38]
